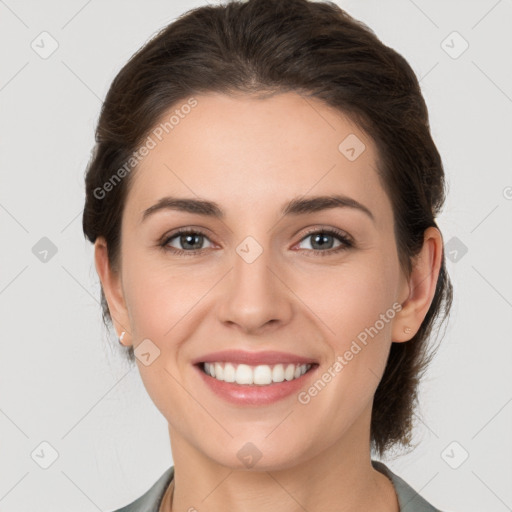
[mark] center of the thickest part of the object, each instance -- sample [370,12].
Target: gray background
[63,383]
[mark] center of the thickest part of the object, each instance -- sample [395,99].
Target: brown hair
[317,50]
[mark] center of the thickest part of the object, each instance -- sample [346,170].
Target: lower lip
[244,394]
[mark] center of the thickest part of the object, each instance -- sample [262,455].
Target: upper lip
[253,358]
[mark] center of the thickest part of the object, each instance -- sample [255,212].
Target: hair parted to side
[265,47]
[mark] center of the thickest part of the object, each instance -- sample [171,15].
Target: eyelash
[346,241]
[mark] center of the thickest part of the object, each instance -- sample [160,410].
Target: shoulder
[150,500]
[408,499]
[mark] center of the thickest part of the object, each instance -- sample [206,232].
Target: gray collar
[408,499]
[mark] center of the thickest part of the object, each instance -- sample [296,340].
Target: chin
[258,456]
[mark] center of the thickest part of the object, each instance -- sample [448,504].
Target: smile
[262,375]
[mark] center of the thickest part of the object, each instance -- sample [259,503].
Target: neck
[339,478]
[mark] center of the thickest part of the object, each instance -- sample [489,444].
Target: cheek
[160,303]
[157,297]
[356,305]
[351,297]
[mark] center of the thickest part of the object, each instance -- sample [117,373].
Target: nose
[255,297]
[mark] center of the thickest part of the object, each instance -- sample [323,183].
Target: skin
[251,156]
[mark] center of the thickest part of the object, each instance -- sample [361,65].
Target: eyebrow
[297,206]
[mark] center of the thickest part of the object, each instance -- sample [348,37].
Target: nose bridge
[254,296]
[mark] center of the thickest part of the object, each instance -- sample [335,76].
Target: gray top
[408,499]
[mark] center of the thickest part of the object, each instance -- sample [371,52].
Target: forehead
[241,151]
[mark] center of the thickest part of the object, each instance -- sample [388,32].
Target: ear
[112,288]
[421,285]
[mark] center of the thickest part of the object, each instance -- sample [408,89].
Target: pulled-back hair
[266,47]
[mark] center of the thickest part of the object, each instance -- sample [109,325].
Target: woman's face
[254,278]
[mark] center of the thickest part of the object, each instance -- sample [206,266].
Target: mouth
[255,375]
[248,378]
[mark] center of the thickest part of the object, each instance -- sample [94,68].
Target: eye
[322,241]
[191,240]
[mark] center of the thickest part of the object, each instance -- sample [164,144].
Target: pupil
[187,238]
[321,237]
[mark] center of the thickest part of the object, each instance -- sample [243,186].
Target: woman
[262,201]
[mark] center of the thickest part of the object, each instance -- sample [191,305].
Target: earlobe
[112,289]
[422,284]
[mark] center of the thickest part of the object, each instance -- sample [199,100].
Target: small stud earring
[407,330]
[121,337]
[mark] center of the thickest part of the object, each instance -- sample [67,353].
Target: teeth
[261,375]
